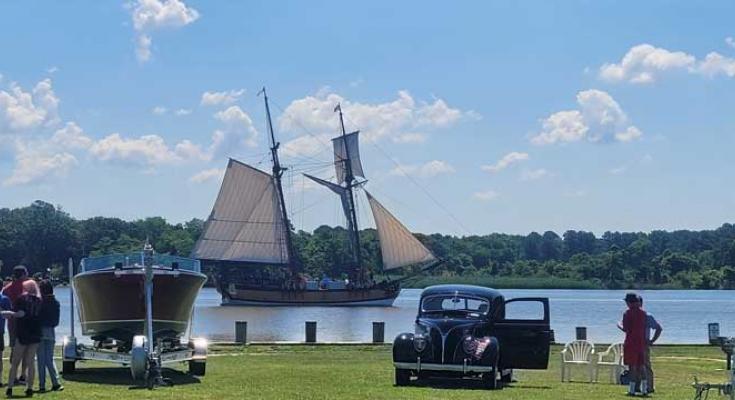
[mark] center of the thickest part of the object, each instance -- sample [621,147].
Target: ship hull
[112,302]
[377,297]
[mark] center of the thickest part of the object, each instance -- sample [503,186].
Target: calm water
[683,314]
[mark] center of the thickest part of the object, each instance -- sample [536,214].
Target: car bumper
[463,368]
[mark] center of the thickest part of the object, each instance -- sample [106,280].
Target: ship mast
[349,184]
[277,174]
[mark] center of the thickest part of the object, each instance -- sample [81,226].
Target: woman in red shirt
[634,347]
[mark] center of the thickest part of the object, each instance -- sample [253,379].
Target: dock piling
[241,332]
[378,332]
[310,331]
[581,332]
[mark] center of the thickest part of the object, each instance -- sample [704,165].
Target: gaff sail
[246,223]
[338,190]
[397,244]
[346,148]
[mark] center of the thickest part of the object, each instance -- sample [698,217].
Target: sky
[474,117]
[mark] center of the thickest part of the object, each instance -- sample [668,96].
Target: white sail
[338,190]
[397,244]
[347,147]
[246,223]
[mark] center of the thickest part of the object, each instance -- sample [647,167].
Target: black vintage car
[471,331]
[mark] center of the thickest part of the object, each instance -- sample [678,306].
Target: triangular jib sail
[397,244]
[246,223]
[346,148]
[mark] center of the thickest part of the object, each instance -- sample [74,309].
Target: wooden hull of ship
[112,303]
[248,296]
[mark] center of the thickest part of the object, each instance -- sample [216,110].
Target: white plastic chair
[611,358]
[578,352]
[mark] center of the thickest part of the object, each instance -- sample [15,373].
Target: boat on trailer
[136,308]
[111,298]
[249,230]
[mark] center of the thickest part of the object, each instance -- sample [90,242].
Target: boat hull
[376,297]
[112,302]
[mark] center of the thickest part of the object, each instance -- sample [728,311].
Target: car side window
[524,310]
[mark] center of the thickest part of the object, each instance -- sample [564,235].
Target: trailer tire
[197,368]
[68,367]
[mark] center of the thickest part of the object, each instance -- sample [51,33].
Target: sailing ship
[249,228]
[111,298]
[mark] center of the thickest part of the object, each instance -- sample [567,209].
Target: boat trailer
[146,357]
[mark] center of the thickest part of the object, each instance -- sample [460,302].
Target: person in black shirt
[26,312]
[49,320]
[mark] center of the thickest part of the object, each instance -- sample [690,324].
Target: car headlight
[469,345]
[419,343]
[421,330]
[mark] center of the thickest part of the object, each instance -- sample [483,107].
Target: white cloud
[535,174]
[716,64]
[307,146]
[221,98]
[395,119]
[152,15]
[52,69]
[238,131]
[562,126]
[619,170]
[730,41]
[143,45]
[507,160]
[599,118]
[486,195]
[32,166]
[71,136]
[21,110]
[158,110]
[182,111]
[644,63]
[208,175]
[147,150]
[426,170]
[630,134]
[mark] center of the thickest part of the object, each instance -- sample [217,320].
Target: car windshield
[452,303]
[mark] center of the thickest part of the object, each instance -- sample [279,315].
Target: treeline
[43,236]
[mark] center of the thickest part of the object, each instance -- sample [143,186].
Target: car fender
[403,350]
[491,355]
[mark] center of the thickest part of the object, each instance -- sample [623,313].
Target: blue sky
[514,116]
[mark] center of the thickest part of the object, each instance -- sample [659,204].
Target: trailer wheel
[197,368]
[68,367]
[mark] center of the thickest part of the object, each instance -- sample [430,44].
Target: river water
[684,315]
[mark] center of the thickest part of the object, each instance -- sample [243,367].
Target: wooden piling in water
[378,332]
[241,332]
[310,331]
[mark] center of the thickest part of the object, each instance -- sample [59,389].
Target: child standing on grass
[49,321]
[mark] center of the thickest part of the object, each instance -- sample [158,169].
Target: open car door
[524,332]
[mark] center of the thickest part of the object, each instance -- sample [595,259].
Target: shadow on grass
[467,384]
[121,377]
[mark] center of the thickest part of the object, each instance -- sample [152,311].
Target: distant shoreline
[529,283]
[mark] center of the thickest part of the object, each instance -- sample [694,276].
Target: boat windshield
[453,304]
[135,260]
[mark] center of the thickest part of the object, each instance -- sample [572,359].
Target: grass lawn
[366,372]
